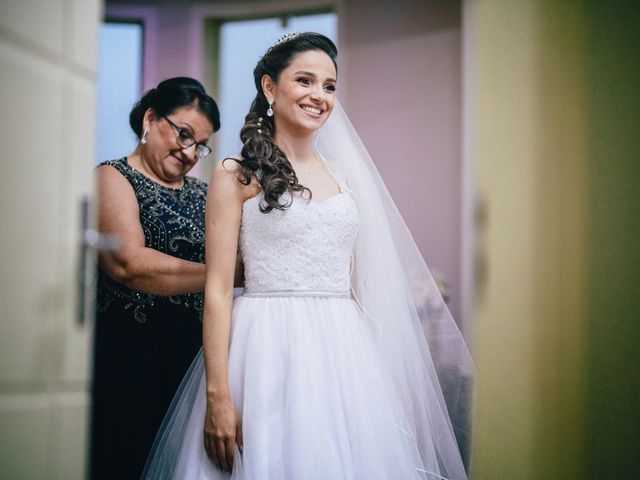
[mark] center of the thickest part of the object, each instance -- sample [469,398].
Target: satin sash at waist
[297,292]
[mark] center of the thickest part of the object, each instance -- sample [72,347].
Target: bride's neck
[298,150]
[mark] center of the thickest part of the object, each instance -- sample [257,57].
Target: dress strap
[337,176]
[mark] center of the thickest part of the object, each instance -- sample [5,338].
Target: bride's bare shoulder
[228,177]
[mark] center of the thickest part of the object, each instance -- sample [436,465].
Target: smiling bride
[324,367]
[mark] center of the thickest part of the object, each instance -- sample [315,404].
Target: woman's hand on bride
[222,431]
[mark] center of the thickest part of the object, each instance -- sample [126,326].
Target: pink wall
[400,81]
[402,88]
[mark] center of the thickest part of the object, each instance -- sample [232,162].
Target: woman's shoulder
[229,175]
[121,166]
[114,184]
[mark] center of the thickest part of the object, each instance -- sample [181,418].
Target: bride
[340,360]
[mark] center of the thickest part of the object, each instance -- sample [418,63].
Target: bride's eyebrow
[311,74]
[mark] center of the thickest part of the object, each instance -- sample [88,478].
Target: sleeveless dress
[304,374]
[145,343]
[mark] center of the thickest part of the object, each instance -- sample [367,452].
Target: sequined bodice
[172,220]
[305,247]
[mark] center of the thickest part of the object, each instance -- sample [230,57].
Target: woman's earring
[270,110]
[143,140]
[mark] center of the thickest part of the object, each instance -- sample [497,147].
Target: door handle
[91,242]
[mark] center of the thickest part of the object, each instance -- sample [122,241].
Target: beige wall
[555,108]
[47,53]
[529,88]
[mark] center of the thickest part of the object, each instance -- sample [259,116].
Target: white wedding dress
[304,373]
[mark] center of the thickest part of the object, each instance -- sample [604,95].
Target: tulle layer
[314,399]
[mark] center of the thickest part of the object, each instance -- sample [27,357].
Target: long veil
[420,342]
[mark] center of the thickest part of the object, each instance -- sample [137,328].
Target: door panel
[47,53]
[37,21]
[30,212]
[24,423]
[71,356]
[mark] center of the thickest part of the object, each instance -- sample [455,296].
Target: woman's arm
[134,265]
[226,196]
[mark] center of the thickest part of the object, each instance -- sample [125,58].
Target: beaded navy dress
[145,343]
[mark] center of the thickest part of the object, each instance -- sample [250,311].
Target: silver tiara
[284,39]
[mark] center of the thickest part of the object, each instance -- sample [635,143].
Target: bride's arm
[223,214]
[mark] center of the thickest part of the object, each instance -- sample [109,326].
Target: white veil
[419,340]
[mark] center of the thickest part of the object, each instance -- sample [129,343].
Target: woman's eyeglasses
[186,140]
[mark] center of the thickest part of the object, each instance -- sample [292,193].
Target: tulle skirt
[313,397]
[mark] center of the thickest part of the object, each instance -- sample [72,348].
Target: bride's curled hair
[260,156]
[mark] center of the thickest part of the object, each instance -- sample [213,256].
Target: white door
[47,79]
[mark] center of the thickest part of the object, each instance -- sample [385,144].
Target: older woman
[149,305]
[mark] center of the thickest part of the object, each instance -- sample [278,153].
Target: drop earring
[270,110]
[143,140]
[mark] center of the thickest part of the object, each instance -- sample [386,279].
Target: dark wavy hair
[171,95]
[260,156]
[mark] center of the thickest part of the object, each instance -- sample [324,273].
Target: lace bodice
[305,247]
